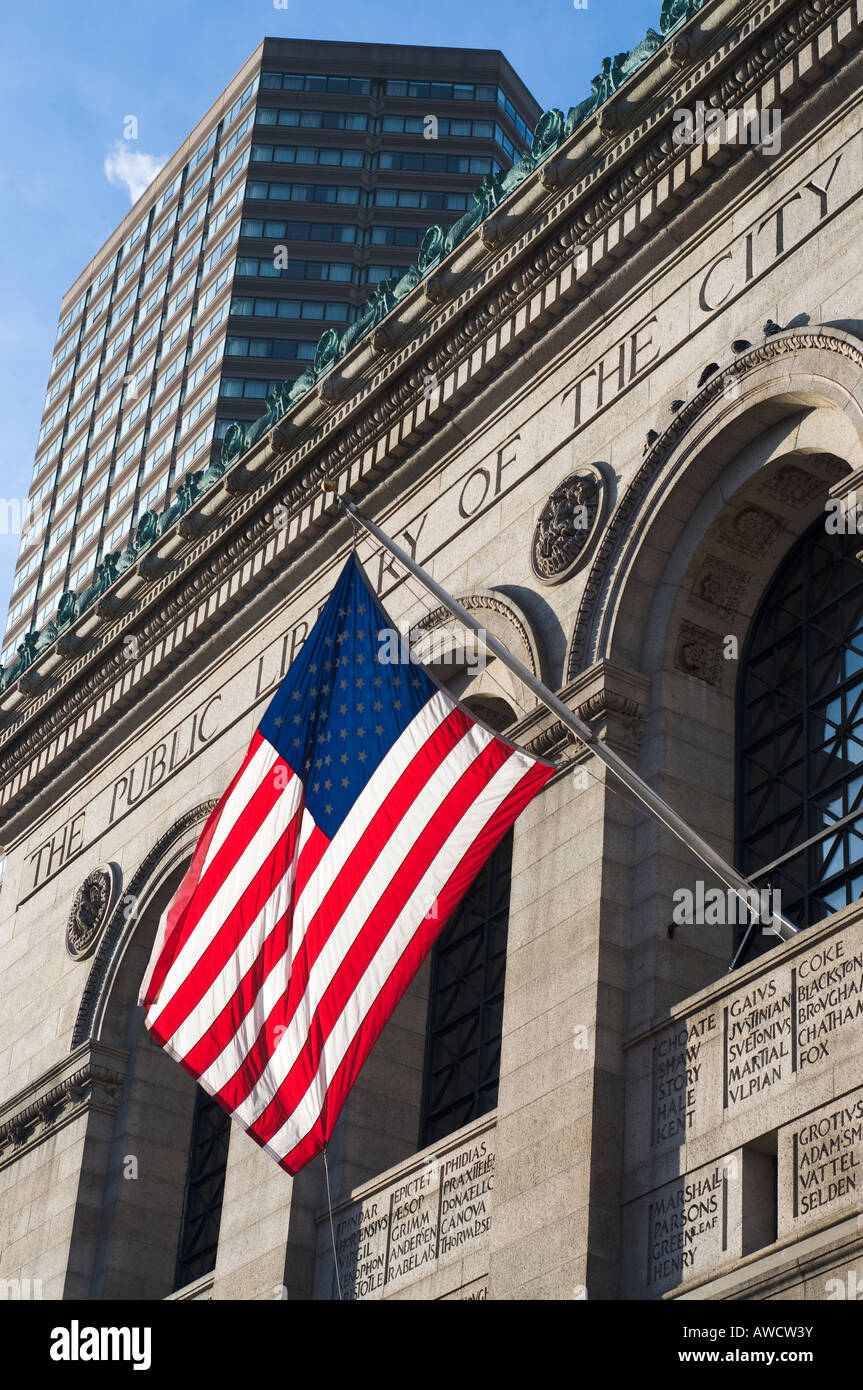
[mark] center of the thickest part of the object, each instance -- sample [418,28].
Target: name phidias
[77,1343]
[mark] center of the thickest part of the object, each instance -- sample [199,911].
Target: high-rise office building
[312,178]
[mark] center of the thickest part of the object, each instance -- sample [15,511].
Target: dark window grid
[463,1036]
[800,731]
[205,1184]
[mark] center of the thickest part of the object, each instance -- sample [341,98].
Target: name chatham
[77,1343]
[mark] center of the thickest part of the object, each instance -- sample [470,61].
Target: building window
[800,729]
[465,1012]
[205,1185]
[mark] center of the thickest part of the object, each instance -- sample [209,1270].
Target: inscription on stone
[401,1234]
[677,1064]
[759,1040]
[826,1158]
[684,1228]
[802,1016]
[791,1022]
[683,1219]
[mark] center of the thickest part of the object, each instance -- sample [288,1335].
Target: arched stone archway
[138,1172]
[800,393]
[721,497]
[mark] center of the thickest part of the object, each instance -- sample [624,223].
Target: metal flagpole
[669,818]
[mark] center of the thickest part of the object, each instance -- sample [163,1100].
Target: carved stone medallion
[568,525]
[90,910]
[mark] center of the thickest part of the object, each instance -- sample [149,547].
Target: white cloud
[128,168]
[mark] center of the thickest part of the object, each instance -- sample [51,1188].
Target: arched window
[800,730]
[465,1009]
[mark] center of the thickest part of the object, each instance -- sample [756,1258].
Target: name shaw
[803,1015]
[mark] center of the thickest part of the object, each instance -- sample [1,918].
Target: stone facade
[610,325]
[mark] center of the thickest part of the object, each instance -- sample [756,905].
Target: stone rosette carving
[720,585]
[568,524]
[699,653]
[751,530]
[90,910]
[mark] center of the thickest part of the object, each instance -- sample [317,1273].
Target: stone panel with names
[821,1164]
[784,1024]
[679,1058]
[683,1229]
[428,1217]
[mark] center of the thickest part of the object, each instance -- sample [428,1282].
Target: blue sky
[71,71]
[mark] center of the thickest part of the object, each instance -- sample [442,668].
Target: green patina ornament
[209,475]
[146,531]
[277,403]
[105,574]
[547,135]
[551,130]
[328,351]
[233,444]
[67,609]
[186,493]
[304,382]
[677,12]
[485,200]
[649,45]
[432,249]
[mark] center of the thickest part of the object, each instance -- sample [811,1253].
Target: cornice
[609,199]
[90,1078]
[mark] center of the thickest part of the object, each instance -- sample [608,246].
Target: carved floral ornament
[90,910]
[569,524]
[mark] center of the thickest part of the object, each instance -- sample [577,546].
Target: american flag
[367,803]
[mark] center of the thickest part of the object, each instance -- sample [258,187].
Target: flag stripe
[381,974]
[366,804]
[313,971]
[225,898]
[197,1004]
[357,846]
[331,992]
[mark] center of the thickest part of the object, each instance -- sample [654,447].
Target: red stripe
[278,864]
[258,1057]
[361,860]
[412,958]
[275,953]
[241,832]
[276,947]
[413,866]
[184,895]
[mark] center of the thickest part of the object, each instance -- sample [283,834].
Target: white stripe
[344,842]
[391,950]
[256,768]
[229,893]
[366,896]
[379,786]
[260,763]
[202,1018]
